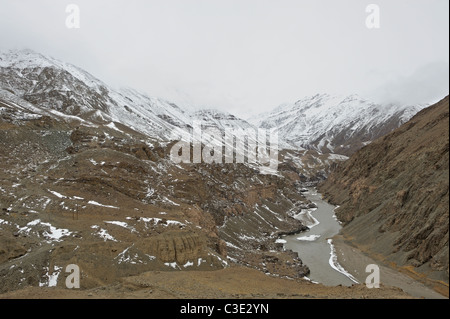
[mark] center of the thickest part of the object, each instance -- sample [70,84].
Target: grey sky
[245,56]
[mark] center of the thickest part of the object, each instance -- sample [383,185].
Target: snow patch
[101,205]
[335,264]
[103,233]
[174,265]
[57,194]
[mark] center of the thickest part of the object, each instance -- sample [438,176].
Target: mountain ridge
[53,84]
[334,123]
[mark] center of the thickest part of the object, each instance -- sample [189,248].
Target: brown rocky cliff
[393,194]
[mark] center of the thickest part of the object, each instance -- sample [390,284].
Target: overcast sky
[245,56]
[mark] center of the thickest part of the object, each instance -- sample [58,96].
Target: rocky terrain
[393,196]
[234,282]
[112,202]
[86,178]
[333,127]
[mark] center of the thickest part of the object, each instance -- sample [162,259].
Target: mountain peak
[334,123]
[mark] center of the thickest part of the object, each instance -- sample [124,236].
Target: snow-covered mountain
[329,124]
[223,120]
[333,123]
[55,85]
[59,88]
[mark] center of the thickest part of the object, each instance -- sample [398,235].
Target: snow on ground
[101,205]
[232,245]
[166,200]
[52,234]
[222,261]
[335,217]
[337,157]
[335,265]
[245,237]
[121,224]
[103,233]
[52,279]
[274,213]
[174,265]
[57,194]
[126,257]
[114,127]
[56,234]
[312,281]
[158,221]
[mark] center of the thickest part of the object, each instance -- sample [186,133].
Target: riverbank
[334,260]
[355,262]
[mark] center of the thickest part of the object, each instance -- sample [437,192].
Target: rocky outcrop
[394,194]
[179,247]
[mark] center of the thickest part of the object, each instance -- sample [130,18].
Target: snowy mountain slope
[329,124]
[55,85]
[223,120]
[335,124]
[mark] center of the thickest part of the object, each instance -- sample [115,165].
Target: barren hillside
[393,195]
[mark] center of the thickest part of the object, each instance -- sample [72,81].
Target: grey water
[316,252]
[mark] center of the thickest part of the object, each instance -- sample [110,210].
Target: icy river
[315,247]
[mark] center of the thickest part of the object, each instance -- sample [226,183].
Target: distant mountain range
[328,124]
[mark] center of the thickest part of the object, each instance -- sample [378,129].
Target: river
[315,247]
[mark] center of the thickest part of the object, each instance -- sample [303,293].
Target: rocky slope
[38,84]
[334,124]
[86,178]
[393,195]
[109,199]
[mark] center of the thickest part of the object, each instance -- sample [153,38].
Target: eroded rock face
[394,195]
[180,247]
